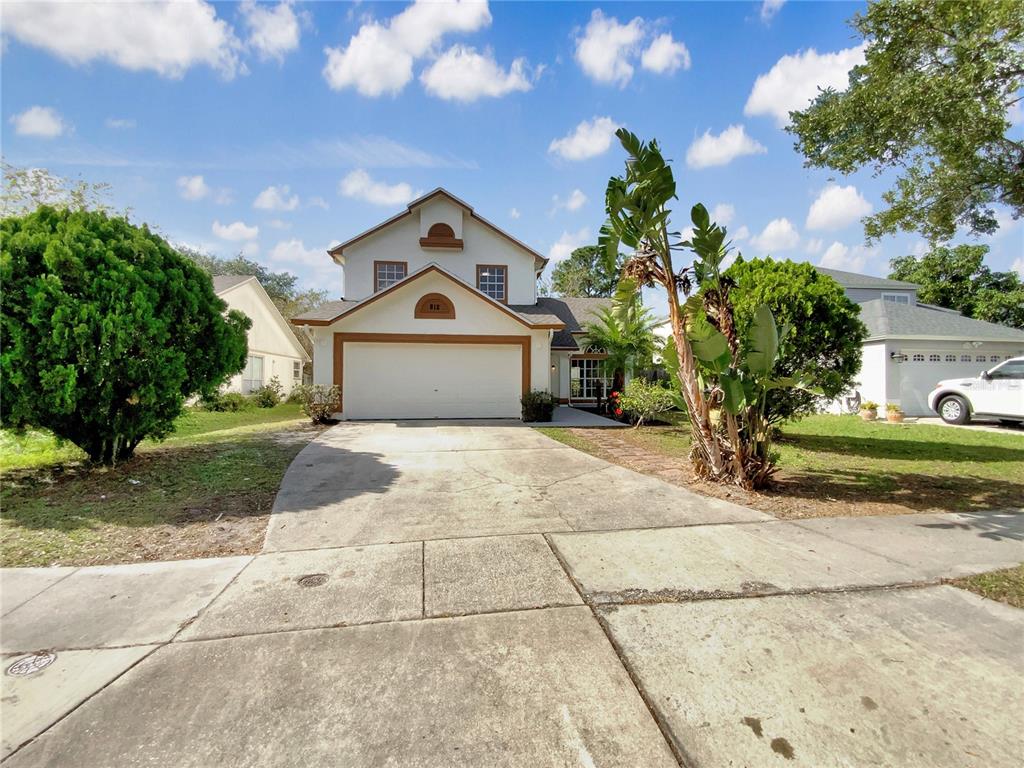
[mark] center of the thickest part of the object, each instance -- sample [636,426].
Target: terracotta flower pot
[895,417]
[869,415]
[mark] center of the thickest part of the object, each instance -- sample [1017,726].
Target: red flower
[615,394]
[618,411]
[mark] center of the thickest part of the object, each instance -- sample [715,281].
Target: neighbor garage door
[427,381]
[924,368]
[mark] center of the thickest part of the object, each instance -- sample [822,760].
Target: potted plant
[869,410]
[893,413]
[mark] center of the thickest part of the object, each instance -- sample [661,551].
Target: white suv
[998,392]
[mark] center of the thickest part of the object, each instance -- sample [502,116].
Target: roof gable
[338,251]
[257,290]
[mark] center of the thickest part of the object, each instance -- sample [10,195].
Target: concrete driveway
[476,594]
[374,483]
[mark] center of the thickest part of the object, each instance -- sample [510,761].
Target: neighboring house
[273,348]
[911,346]
[441,320]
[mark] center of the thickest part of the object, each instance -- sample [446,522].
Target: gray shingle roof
[886,319]
[854,280]
[222,282]
[327,311]
[574,311]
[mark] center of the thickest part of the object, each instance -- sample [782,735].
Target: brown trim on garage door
[426,338]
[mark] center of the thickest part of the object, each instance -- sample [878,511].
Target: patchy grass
[841,465]
[207,491]
[1006,586]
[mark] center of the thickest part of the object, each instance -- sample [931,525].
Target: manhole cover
[312,579]
[32,663]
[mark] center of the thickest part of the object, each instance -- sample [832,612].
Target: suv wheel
[954,410]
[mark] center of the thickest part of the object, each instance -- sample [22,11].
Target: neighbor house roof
[539,261]
[574,311]
[331,311]
[222,283]
[854,280]
[887,320]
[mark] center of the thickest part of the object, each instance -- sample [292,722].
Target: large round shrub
[826,332]
[107,330]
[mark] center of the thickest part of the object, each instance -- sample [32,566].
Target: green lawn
[206,491]
[39,448]
[831,465]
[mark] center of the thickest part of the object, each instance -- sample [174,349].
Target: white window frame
[296,370]
[248,379]
[897,298]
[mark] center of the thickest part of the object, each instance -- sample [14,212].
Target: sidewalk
[612,648]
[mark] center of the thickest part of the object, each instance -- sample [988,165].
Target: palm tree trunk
[709,460]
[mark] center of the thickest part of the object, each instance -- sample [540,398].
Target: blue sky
[281,128]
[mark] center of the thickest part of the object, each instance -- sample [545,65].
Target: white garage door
[428,381]
[923,369]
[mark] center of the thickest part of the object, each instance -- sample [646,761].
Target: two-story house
[911,345]
[441,319]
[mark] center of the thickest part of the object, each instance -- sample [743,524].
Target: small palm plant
[626,333]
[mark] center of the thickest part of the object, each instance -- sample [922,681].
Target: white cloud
[814,245]
[839,256]
[359,185]
[41,122]
[224,196]
[723,214]
[294,251]
[1018,266]
[251,248]
[193,187]
[769,8]
[778,235]
[795,79]
[514,213]
[276,199]
[837,207]
[589,139]
[741,234]
[665,55]
[273,30]
[379,57]
[710,150]
[567,243]
[318,202]
[235,231]
[166,38]
[462,74]
[279,224]
[604,49]
[573,202]
[120,123]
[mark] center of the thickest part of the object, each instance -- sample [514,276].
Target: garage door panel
[423,381]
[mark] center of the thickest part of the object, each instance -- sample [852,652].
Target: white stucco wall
[394,313]
[266,337]
[400,242]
